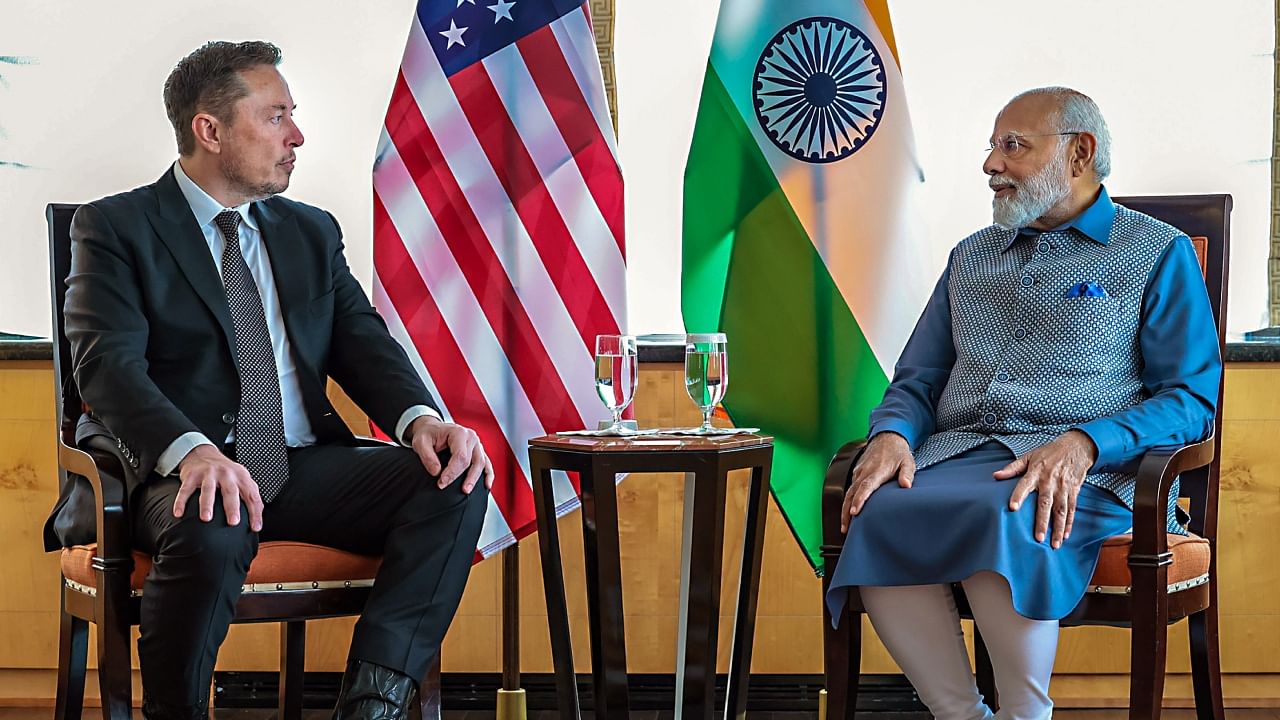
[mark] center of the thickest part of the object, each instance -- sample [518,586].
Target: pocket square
[1088,288]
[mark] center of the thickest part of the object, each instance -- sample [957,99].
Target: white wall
[1186,86]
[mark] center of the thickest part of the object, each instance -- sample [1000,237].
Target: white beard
[1032,198]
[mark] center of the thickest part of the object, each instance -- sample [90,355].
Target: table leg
[744,619]
[700,592]
[604,591]
[553,586]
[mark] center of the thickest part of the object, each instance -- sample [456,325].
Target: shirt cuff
[177,450]
[1107,439]
[408,417]
[895,425]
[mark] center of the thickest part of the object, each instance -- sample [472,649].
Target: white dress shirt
[297,428]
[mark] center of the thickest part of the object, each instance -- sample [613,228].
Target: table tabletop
[651,443]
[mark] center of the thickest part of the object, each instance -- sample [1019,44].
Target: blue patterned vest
[1032,362]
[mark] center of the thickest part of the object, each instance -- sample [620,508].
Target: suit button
[229,418]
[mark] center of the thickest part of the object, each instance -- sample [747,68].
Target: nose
[295,137]
[994,164]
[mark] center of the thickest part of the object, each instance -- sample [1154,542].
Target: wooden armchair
[1144,581]
[288,582]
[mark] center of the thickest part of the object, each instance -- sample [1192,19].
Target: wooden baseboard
[36,688]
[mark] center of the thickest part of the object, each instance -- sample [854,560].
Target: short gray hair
[1078,112]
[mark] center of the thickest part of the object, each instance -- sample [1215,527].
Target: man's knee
[213,543]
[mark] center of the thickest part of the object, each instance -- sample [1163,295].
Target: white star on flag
[454,33]
[473,2]
[502,10]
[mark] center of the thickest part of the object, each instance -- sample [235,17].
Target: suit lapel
[177,229]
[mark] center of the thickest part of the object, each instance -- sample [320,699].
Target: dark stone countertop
[652,349]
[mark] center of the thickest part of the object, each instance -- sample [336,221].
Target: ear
[1086,146]
[207,130]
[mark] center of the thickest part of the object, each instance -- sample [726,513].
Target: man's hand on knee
[1056,471]
[887,456]
[467,458]
[209,471]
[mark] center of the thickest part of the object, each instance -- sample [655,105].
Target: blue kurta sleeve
[1182,366]
[921,373]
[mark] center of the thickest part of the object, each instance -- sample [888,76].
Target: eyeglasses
[1011,146]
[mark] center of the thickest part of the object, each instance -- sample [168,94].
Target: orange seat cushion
[276,562]
[1190,560]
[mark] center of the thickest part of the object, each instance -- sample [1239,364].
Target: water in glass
[706,373]
[616,371]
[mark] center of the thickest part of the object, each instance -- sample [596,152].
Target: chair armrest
[104,467]
[833,490]
[1156,473]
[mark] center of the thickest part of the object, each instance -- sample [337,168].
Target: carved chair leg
[985,672]
[115,674]
[842,650]
[1149,639]
[73,656]
[293,655]
[429,692]
[1206,669]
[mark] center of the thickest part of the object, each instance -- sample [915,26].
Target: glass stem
[706,419]
[617,418]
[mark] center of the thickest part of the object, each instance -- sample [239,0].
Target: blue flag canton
[463,32]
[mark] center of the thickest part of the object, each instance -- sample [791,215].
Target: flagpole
[511,697]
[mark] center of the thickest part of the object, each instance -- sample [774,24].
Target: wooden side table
[706,463]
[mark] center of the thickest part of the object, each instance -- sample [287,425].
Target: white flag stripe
[577,40]
[461,312]
[560,174]
[495,526]
[497,217]
[389,315]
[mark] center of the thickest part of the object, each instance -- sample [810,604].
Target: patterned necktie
[260,444]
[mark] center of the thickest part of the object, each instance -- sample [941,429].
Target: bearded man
[1060,344]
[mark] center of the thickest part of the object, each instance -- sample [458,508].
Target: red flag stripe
[519,176]
[435,344]
[475,256]
[555,81]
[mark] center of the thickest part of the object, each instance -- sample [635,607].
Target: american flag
[498,238]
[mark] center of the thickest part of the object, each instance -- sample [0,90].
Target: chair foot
[73,656]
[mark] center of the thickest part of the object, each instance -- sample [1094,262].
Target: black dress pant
[367,500]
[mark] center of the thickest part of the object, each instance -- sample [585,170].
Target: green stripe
[800,367]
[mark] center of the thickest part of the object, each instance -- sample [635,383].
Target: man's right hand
[209,471]
[886,457]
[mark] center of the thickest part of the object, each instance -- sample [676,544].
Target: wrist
[419,424]
[197,453]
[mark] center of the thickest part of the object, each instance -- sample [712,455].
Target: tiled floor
[1181,714]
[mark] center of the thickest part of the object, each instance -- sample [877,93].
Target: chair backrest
[1206,219]
[58,217]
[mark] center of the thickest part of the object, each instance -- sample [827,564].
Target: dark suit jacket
[151,335]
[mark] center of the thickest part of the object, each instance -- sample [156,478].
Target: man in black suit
[205,314]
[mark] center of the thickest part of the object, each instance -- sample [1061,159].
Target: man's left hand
[467,458]
[1056,471]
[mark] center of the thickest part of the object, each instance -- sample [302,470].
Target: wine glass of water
[616,370]
[706,373]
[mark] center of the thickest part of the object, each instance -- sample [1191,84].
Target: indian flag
[801,237]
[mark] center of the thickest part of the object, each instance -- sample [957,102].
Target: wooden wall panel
[788,638]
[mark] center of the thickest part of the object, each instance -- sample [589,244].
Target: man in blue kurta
[1060,344]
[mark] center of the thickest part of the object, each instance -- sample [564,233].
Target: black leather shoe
[152,710]
[373,692]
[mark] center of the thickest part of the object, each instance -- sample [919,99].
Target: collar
[1094,223]
[203,206]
